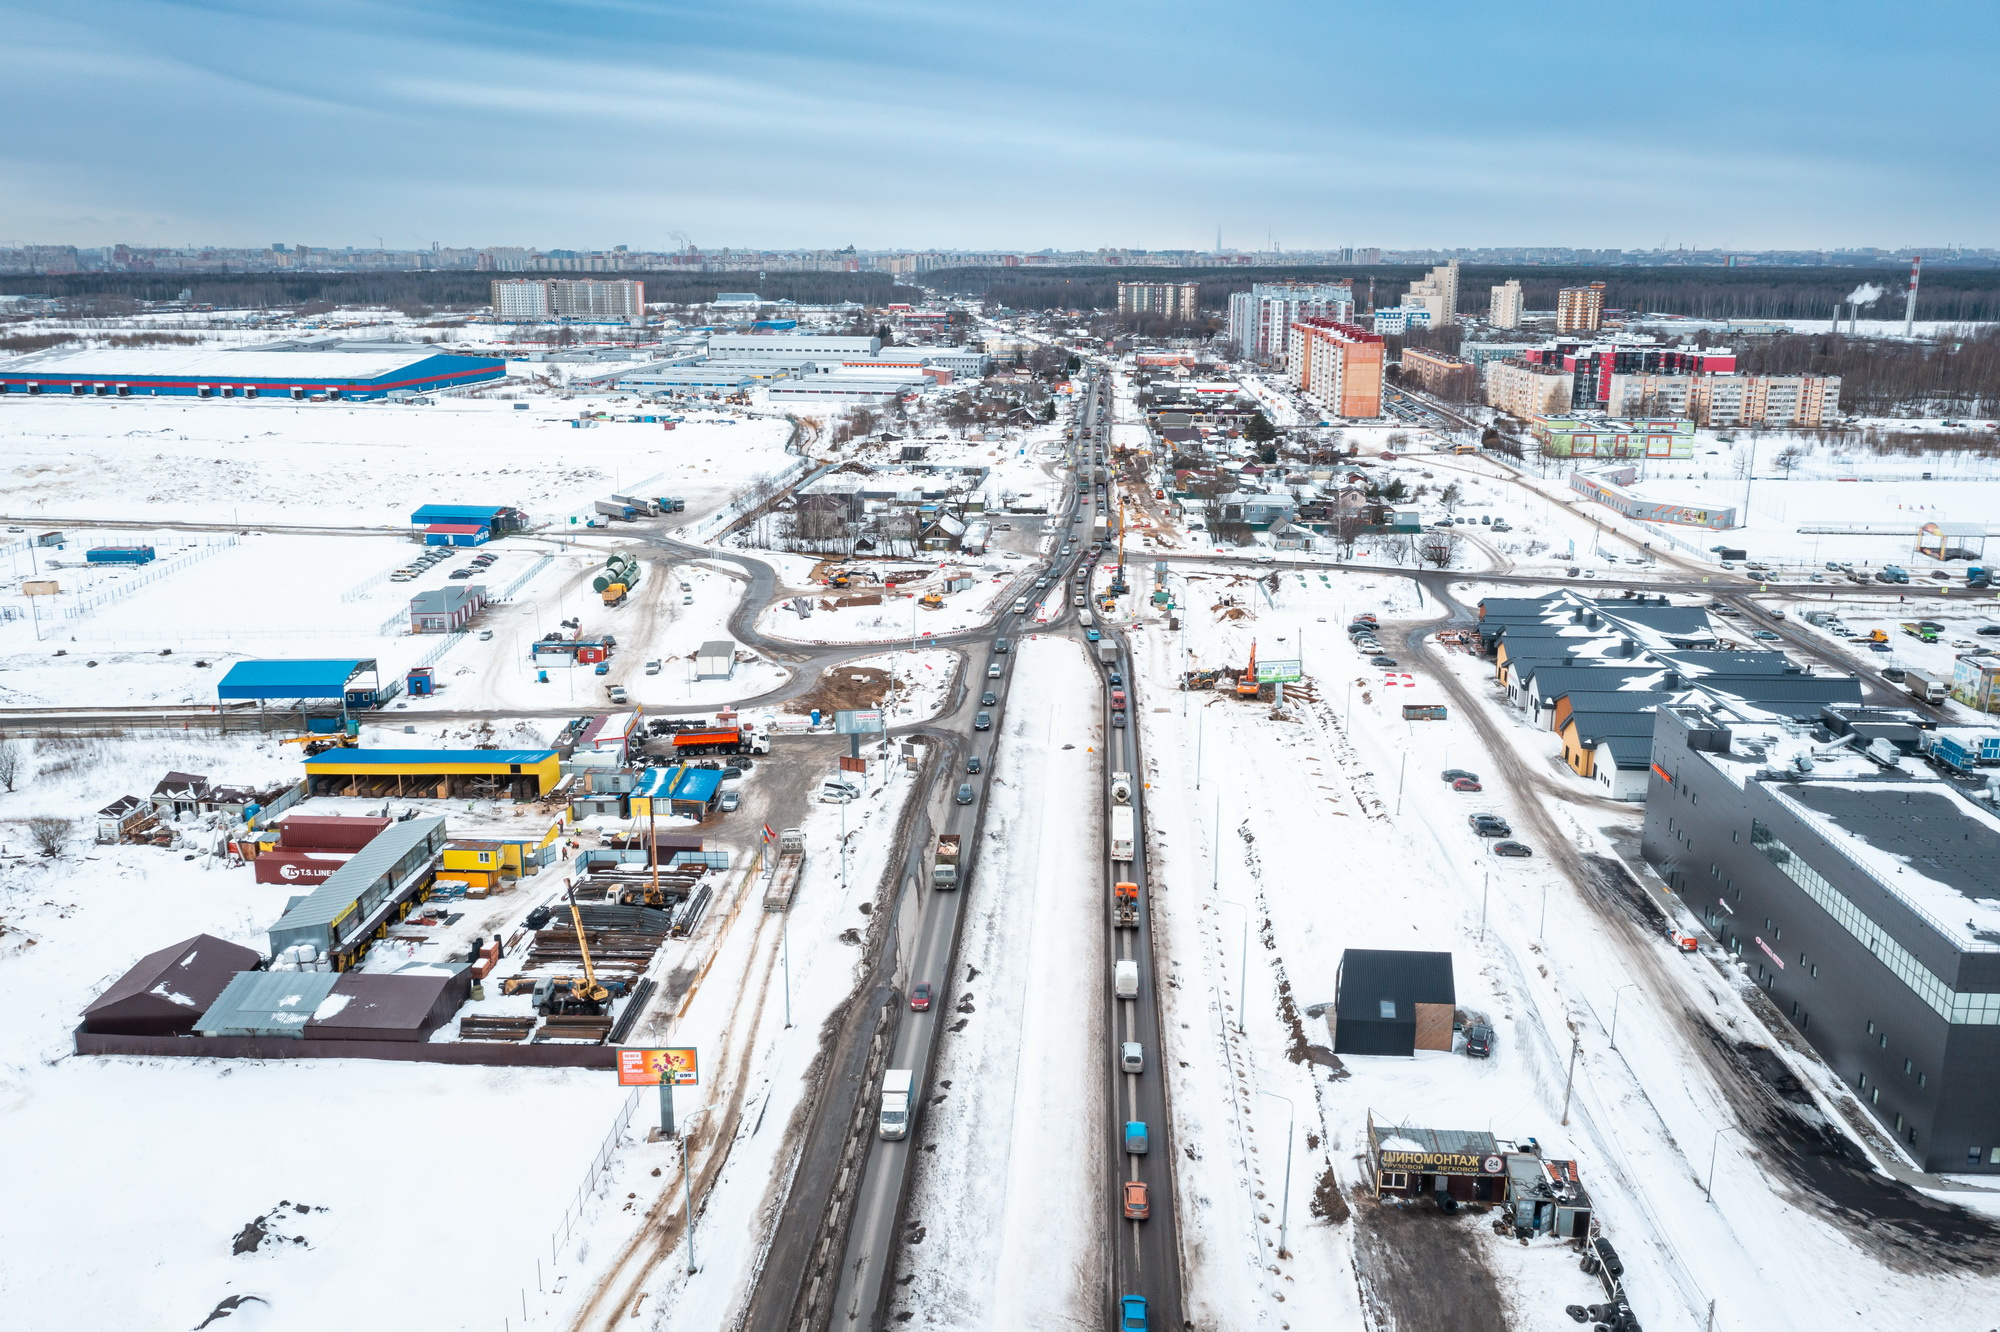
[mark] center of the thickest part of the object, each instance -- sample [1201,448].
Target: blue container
[120,555]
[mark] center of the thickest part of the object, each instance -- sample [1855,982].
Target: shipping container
[120,555]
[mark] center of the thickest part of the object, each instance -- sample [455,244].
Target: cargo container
[639,503]
[120,555]
[614,509]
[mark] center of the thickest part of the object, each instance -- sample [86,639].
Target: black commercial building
[1862,894]
[1392,1002]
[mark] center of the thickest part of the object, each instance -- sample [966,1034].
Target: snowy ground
[1334,832]
[896,616]
[277,461]
[1005,1192]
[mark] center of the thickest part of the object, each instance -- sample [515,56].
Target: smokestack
[1853,319]
[1910,305]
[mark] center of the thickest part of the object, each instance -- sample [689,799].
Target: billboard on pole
[861,721]
[1279,672]
[650,1068]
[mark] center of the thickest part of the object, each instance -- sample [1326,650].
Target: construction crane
[1246,683]
[585,996]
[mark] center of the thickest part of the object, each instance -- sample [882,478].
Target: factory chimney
[1910,305]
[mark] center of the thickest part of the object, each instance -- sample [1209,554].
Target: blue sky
[591,123]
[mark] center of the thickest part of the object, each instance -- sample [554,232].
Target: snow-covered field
[271,461]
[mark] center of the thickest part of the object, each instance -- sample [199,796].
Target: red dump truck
[721,740]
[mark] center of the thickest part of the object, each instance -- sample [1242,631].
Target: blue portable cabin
[456,534]
[120,555]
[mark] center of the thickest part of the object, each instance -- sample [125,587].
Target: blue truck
[120,555]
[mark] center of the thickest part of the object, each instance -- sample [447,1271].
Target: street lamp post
[1616,995]
[1709,1186]
[1285,1211]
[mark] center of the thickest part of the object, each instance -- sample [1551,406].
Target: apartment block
[1437,292]
[1338,365]
[1580,309]
[1505,309]
[1593,364]
[1393,320]
[1169,300]
[620,299]
[1527,391]
[1440,373]
[1805,401]
[1261,319]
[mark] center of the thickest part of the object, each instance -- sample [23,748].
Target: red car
[1137,1208]
[920,998]
[1466,784]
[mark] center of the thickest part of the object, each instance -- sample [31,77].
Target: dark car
[1894,674]
[462,573]
[1117,719]
[1488,825]
[1114,677]
[920,997]
[1478,1040]
[1002,645]
[989,699]
[983,722]
[1460,775]
[1467,784]
[973,764]
[1381,661]
[1511,849]
[1988,630]
[965,796]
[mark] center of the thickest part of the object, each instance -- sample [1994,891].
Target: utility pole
[1575,1043]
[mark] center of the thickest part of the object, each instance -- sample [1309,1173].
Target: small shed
[715,660]
[1393,1002]
[267,1003]
[165,993]
[445,610]
[122,817]
[404,1005]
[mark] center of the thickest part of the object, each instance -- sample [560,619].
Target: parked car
[1467,784]
[920,997]
[1490,825]
[463,573]
[1135,1137]
[965,796]
[983,722]
[973,764]
[730,801]
[1479,1041]
[652,668]
[1136,1206]
[617,693]
[1460,775]
[1764,634]
[1511,849]
[1381,661]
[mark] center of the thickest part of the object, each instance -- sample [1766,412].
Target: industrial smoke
[1865,294]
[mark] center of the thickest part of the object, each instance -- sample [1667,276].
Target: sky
[887,123]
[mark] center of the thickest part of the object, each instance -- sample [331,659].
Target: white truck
[1124,983]
[894,1122]
[1926,688]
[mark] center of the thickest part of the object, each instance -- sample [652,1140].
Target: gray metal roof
[267,1003]
[345,885]
[1927,828]
[1475,1142]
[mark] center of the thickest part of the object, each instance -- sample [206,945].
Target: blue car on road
[1132,1314]
[1092,635]
[1135,1137]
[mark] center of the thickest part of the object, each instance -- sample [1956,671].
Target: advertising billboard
[860,721]
[1279,672]
[650,1068]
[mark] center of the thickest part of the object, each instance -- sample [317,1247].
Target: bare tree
[50,834]
[10,763]
[1395,545]
[1788,458]
[1348,524]
[1438,549]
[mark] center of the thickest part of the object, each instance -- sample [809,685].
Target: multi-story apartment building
[1580,309]
[1437,292]
[1394,320]
[1726,400]
[1592,365]
[1338,366]
[1527,391]
[1505,310]
[1169,300]
[1261,319]
[1857,891]
[621,299]
[1440,373]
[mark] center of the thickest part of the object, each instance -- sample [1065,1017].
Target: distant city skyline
[887,124]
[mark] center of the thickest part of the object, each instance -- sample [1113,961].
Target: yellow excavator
[584,996]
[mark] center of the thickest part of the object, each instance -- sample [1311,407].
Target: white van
[1125,979]
[1020,605]
[1083,616]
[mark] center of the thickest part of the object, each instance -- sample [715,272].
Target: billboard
[650,1068]
[1279,672]
[861,721]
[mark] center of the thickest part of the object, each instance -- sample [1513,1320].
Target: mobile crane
[582,996]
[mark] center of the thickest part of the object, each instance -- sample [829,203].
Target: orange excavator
[1246,683]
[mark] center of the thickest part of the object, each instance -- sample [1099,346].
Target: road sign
[1279,672]
[650,1068]
[859,721]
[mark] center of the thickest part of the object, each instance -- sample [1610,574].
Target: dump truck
[786,869]
[944,865]
[720,740]
[1125,904]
